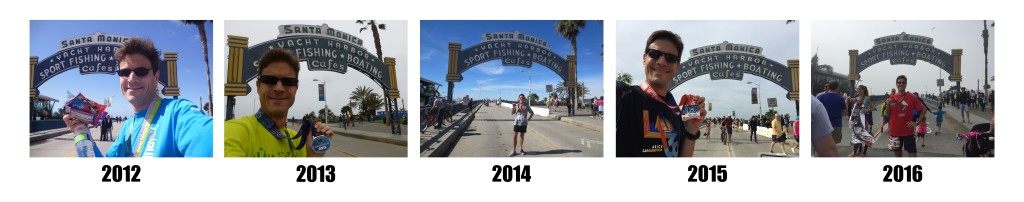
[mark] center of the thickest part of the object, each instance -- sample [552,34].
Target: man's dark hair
[666,35]
[832,85]
[141,46]
[901,77]
[278,55]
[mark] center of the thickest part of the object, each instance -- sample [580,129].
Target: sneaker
[512,154]
[792,150]
[522,152]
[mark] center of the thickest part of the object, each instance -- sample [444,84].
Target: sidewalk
[438,142]
[583,118]
[368,131]
[953,115]
[363,133]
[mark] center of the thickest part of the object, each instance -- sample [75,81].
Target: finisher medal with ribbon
[320,143]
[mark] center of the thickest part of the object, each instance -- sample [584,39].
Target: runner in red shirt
[901,109]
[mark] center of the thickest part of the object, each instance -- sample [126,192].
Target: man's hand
[693,125]
[324,130]
[74,124]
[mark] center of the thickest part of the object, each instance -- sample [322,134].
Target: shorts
[885,119]
[907,143]
[837,135]
[869,119]
[920,134]
[728,130]
[779,138]
[963,107]
[519,128]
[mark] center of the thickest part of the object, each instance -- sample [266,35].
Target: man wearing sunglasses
[161,127]
[266,134]
[901,121]
[649,120]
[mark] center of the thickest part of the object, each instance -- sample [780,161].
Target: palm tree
[370,104]
[359,94]
[570,29]
[984,35]
[200,24]
[366,100]
[624,78]
[374,27]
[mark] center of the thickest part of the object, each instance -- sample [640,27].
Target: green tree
[370,104]
[366,100]
[346,110]
[624,78]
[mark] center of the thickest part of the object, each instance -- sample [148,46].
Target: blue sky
[168,36]
[507,81]
[780,42]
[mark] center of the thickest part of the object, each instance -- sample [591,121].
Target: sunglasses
[272,80]
[655,54]
[901,82]
[139,71]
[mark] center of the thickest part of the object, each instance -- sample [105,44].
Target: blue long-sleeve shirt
[178,129]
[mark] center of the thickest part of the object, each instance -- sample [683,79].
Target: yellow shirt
[246,137]
[776,127]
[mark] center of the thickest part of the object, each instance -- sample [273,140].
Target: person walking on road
[938,119]
[519,127]
[964,99]
[860,137]
[753,129]
[778,135]
[835,105]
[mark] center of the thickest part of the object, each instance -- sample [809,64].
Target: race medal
[320,143]
[691,108]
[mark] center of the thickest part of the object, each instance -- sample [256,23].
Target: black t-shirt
[641,121]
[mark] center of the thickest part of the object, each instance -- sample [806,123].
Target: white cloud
[484,81]
[427,53]
[491,69]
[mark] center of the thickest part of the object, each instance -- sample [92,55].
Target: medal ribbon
[145,127]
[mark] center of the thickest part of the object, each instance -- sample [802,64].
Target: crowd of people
[902,111]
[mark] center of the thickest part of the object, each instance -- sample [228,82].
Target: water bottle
[84,144]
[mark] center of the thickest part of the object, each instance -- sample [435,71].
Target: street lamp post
[758,97]
[529,78]
[325,99]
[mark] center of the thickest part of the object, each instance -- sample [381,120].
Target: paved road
[490,135]
[741,145]
[943,145]
[64,145]
[342,146]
